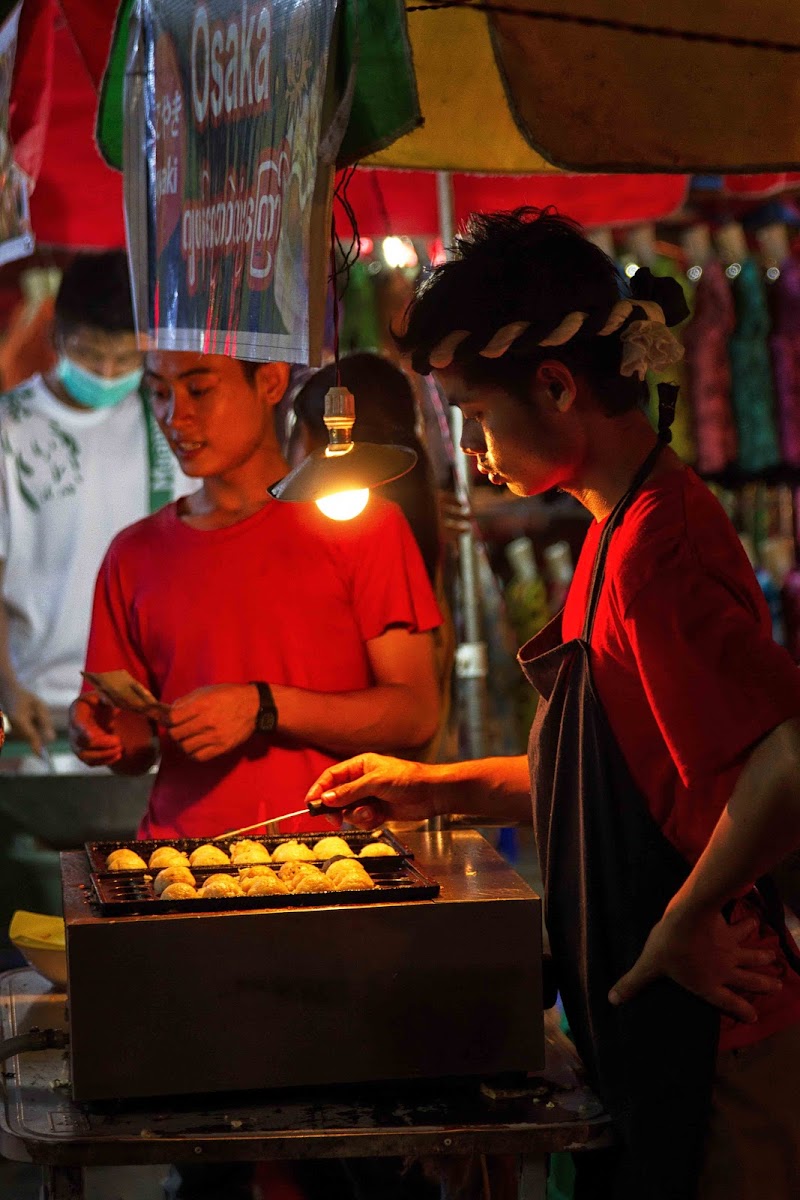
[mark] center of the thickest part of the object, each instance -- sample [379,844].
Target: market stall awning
[607,85]
[61,52]
[404,202]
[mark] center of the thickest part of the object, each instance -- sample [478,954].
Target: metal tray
[98,852]
[130,893]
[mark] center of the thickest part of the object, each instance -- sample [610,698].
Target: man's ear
[558,382]
[272,380]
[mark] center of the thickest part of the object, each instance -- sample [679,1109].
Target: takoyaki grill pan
[98,852]
[175,1003]
[126,893]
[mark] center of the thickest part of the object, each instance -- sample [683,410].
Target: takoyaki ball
[265,885]
[167,856]
[249,852]
[217,887]
[170,875]
[329,847]
[254,871]
[208,856]
[377,850]
[349,876]
[125,860]
[310,879]
[290,869]
[292,851]
[179,891]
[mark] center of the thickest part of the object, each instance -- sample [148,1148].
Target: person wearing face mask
[80,458]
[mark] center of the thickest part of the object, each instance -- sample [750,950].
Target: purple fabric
[785,346]
[706,342]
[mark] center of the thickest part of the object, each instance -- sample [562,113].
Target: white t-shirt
[70,480]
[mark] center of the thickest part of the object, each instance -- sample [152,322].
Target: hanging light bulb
[343,467]
[399,252]
[343,506]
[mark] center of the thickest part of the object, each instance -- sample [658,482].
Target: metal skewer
[314,808]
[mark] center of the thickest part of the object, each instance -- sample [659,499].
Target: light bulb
[343,506]
[399,252]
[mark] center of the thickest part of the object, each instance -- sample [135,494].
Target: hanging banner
[16,238]
[227,191]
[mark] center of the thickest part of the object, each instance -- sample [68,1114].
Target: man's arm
[399,711]
[374,789]
[29,716]
[758,829]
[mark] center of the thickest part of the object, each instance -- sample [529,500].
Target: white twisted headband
[647,344]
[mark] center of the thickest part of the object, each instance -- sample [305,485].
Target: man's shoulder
[23,402]
[675,528]
[140,537]
[381,521]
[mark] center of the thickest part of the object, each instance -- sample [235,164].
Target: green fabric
[385,103]
[112,92]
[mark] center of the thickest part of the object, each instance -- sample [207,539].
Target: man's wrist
[266,717]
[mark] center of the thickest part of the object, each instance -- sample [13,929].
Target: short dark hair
[96,290]
[527,265]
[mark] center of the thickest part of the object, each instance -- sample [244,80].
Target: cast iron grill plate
[130,893]
[356,839]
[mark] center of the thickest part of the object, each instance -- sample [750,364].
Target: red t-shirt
[687,671]
[287,596]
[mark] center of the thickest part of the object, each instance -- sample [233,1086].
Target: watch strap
[267,715]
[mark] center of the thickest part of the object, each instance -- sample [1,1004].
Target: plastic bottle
[559,570]
[526,605]
[526,594]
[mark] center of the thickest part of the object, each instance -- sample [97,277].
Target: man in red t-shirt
[278,638]
[530,334]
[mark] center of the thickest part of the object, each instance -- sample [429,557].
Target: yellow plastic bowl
[41,939]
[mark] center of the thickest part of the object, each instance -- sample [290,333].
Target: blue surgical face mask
[94,391]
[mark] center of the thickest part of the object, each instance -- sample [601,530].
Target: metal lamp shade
[366,465]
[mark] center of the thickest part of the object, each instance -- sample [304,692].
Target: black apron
[608,875]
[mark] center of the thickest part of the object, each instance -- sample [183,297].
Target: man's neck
[616,449]
[237,494]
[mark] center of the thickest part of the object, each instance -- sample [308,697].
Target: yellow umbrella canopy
[604,85]
[468,123]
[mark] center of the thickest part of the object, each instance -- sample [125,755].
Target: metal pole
[471,658]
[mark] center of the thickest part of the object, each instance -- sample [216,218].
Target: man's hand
[212,720]
[371,789]
[707,956]
[92,733]
[29,717]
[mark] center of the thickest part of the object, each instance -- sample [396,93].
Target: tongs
[314,808]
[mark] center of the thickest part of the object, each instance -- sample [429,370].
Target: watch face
[266,720]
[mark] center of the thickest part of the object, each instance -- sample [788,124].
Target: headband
[647,343]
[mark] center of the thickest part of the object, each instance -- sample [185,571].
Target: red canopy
[77,201]
[61,54]
[404,202]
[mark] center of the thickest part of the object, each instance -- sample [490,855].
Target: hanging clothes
[753,391]
[683,432]
[608,875]
[784,295]
[708,370]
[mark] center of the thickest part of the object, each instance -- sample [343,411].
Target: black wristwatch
[267,715]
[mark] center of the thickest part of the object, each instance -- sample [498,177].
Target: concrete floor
[22,1182]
